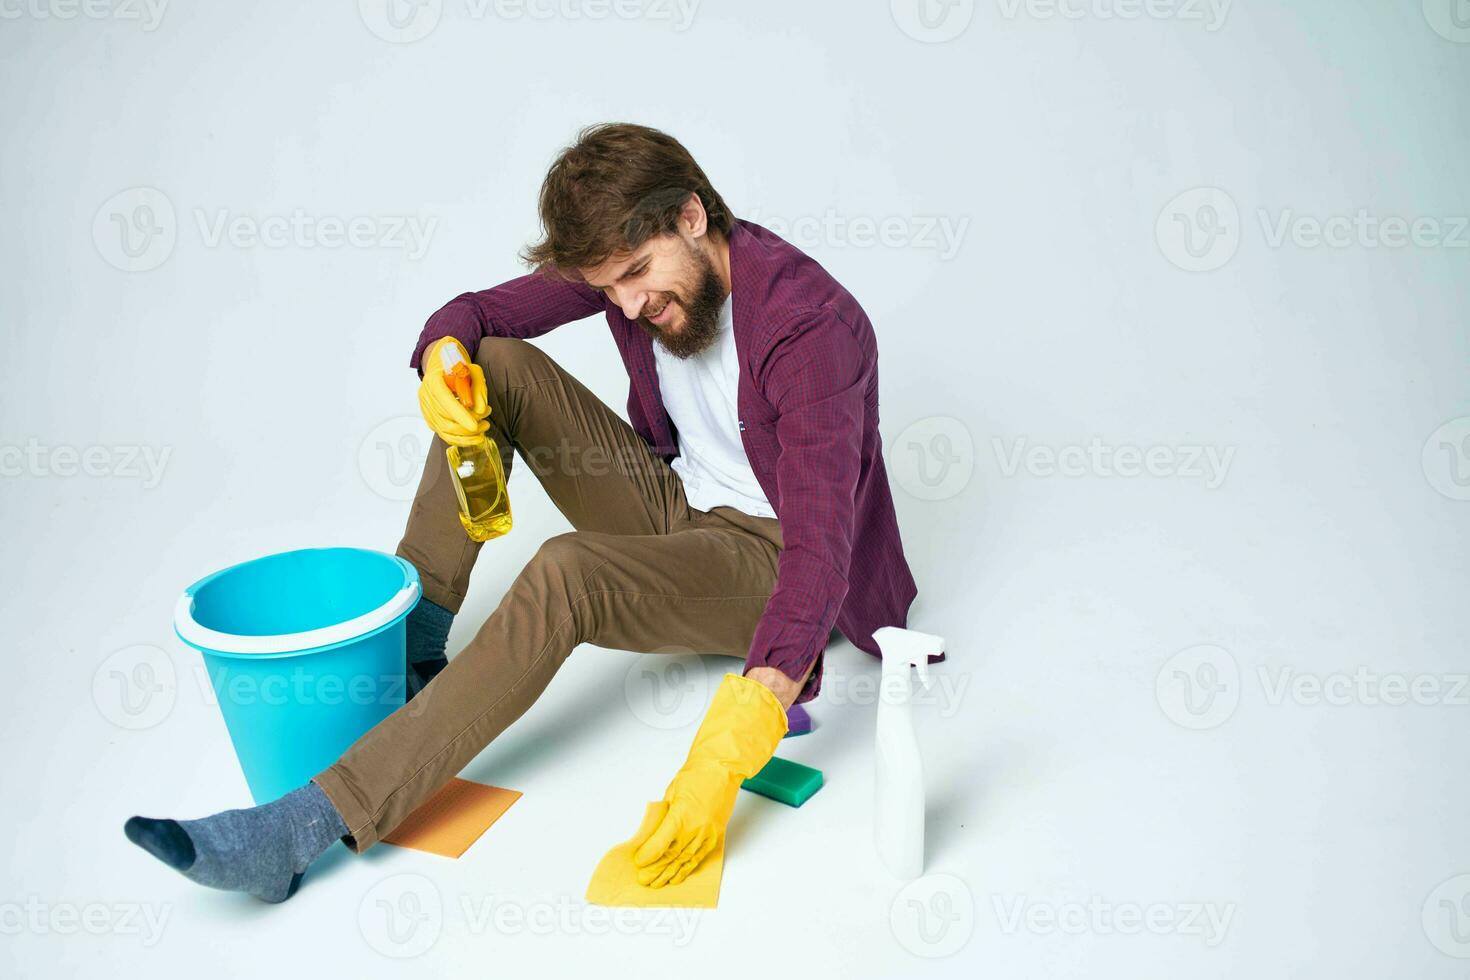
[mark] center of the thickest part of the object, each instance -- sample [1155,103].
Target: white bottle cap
[449,357]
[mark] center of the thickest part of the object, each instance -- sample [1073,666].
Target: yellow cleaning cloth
[448,822]
[615,882]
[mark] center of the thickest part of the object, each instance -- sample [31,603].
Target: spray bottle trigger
[921,666]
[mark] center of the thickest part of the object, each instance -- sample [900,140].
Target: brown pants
[642,571]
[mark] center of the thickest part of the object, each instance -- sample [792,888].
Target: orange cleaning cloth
[452,819]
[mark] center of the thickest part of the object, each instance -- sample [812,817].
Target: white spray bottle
[898,781]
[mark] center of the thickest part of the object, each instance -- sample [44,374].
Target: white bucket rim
[197,635]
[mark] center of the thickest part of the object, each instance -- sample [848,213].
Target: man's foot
[263,850]
[427,634]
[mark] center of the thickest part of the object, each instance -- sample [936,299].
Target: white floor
[1205,721]
[1075,828]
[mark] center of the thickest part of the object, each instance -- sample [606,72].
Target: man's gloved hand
[737,738]
[458,422]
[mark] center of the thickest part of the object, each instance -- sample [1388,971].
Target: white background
[1070,769]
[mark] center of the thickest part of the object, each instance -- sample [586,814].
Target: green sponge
[785,782]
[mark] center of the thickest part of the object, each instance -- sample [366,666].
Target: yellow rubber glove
[615,882]
[457,418]
[738,736]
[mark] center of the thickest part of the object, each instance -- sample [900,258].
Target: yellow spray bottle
[478,477]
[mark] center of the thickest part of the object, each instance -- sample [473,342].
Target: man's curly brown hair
[616,187]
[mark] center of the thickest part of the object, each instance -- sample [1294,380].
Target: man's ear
[692,218]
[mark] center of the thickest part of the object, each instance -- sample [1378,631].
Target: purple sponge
[798,722]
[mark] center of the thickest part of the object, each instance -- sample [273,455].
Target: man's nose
[632,302]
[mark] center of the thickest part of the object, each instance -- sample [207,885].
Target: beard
[701,304]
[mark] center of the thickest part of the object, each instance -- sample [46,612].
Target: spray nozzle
[449,356]
[456,373]
[909,648]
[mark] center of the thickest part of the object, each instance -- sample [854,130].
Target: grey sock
[428,632]
[263,850]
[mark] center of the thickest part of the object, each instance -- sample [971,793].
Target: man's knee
[574,554]
[507,356]
[561,573]
[510,363]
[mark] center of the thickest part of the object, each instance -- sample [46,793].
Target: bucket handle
[192,633]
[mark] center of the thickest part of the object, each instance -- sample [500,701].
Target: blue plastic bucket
[305,651]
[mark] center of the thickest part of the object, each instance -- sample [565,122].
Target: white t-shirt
[699,394]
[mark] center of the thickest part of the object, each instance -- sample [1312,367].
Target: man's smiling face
[668,286]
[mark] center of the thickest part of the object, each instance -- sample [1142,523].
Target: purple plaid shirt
[808,407]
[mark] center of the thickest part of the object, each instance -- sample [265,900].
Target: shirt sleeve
[528,306]
[815,376]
